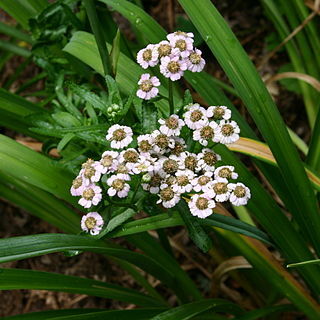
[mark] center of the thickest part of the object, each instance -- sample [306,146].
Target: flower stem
[171,104]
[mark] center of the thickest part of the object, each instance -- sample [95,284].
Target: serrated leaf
[66,120]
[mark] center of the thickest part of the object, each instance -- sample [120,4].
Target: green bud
[146,178]
[115,107]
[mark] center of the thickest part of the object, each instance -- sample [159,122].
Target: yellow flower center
[227,130]
[220,188]
[239,191]
[164,50]
[173,66]
[195,58]
[90,222]
[202,203]
[147,55]
[119,135]
[88,194]
[146,85]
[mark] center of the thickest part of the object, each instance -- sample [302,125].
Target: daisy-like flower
[201,205]
[90,196]
[208,159]
[148,57]
[92,222]
[226,172]
[123,172]
[153,186]
[182,46]
[168,198]
[89,173]
[108,162]
[183,181]
[144,164]
[228,132]
[161,142]
[172,67]
[148,87]
[77,186]
[186,35]
[200,183]
[167,165]
[145,142]
[195,62]
[206,133]
[163,49]
[195,117]
[171,126]
[219,112]
[118,186]
[179,146]
[130,157]
[120,136]
[221,189]
[189,161]
[240,194]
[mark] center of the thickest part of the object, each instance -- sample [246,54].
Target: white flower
[148,57]
[147,87]
[89,173]
[129,157]
[163,48]
[189,161]
[200,183]
[108,162]
[208,159]
[90,196]
[195,117]
[118,186]
[206,133]
[161,142]
[144,164]
[171,126]
[183,181]
[185,35]
[77,186]
[145,143]
[228,132]
[153,186]
[168,197]
[195,62]
[92,222]
[120,136]
[226,172]
[219,112]
[182,46]
[201,205]
[179,146]
[221,189]
[172,67]
[240,194]
[168,165]
[123,172]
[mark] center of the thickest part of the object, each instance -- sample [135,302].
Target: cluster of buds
[166,165]
[175,55]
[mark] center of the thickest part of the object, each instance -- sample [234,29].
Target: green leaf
[188,311]
[13,279]
[196,232]
[113,91]
[66,120]
[64,141]
[301,264]
[84,314]
[115,52]
[149,117]
[14,32]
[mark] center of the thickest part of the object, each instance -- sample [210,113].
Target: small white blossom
[183,181]
[120,136]
[129,157]
[182,46]
[189,161]
[108,162]
[179,146]
[172,67]
[168,165]
[145,143]
[148,57]
[144,164]
[201,205]
[153,186]
[168,198]
[228,132]
[208,159]
[195,117]
[161,142]
[219,112]
[89,173]
[226,172]
[90,196]
[240,194]
[200,183]
[221,189]
[171,126]
[77,186]
[163,49]
[206,133]
[185,35]
[118,186]
[148,87]
[195,62]
[92,222]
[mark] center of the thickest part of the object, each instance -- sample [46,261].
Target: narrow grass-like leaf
[259,103]
[304,263]
[14,32]
[189,311]
[13,279]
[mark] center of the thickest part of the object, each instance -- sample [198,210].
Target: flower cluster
[174,56]
[166,165]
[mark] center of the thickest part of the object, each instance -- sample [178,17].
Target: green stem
[136,190]
[101,43]
[171,104]
[313,157]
